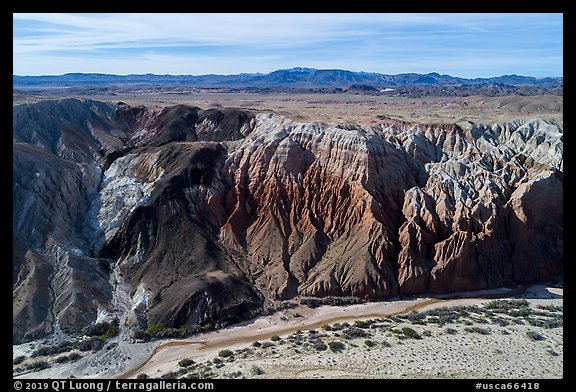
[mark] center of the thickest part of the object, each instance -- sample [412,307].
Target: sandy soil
[344,108]
[505,352]
[438,355]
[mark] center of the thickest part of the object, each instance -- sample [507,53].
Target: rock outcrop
[203,214]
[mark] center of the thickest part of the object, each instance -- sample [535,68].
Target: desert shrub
[319,345]
[480,320]
[409,332]
[451,331]
[501,321]
[140,334]
[225,353]
[185,362]
[333,301]
[269,344]
[427,333]
[369,343]
[275,338]
[52,350]
[414,316]
[354,332]
[155,329]
[256,344]
[142,376]
[386,343]
[545,323]
[91,344]
[552,352]
[340,326]
[18,360]
[38,365]
[74,357]
[534,335]
[479,330]
[61,359]
[500,305]
[522,312]
[169,375]
[551,308]
[256,370]
[336,346]
[104,330]
[363,324]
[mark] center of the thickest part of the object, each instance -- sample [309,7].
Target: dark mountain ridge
[294,77]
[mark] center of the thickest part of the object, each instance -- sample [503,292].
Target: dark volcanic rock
[64,213]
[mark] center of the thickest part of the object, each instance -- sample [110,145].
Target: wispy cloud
[232,43]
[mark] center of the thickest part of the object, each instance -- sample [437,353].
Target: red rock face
[395,209]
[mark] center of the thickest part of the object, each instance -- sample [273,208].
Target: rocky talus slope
[187,216]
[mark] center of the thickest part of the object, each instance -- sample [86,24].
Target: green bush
[256,370]
[156,328]
[355,332]
[451,331]
[534,335]
[275,338]
[142,376]
[369,343]
[336,346]
[256,344]
[551,308]
[479,330]
[409,332]
[185,362]
[506,305]
[104,330]
[225,353]
[140,334]
[362,324]
[38,365]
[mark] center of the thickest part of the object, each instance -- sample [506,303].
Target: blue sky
[465,45]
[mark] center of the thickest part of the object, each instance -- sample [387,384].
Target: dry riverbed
[472,337]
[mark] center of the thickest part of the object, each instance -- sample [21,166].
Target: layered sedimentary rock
[187,216]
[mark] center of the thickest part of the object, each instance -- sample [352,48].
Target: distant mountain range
[294,77]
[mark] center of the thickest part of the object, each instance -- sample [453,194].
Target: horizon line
[286,69]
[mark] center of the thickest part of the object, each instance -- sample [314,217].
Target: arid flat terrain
[469,337]
[333,109]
